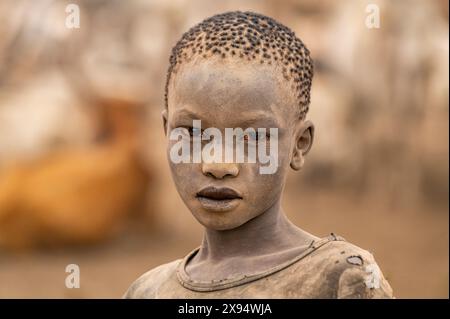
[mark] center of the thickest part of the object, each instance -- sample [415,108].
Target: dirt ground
[413,255]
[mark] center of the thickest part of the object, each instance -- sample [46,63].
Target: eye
[251,136]
[194,131]
[256,136]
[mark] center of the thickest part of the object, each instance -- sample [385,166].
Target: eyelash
[246,136]
[191,131]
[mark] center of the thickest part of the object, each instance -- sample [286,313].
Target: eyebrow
[181,114]
[250,118]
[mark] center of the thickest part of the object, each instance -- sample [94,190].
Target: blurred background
[83,172]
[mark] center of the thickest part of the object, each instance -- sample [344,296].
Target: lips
[219,193]
[219,198]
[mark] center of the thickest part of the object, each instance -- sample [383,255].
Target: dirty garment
[329,268]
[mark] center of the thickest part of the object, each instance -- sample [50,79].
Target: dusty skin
[329,268]
[250,249]
[254,238]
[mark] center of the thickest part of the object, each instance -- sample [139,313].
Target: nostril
[230,175]
[219,171]
[216,175]
[210,175]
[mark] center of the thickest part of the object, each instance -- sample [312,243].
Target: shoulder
[146,286]
[350,271]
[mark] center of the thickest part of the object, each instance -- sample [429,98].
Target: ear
[304,136]
[164,118]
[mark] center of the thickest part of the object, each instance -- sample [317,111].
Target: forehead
[228,93]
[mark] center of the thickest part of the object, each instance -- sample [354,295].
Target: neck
[269,232]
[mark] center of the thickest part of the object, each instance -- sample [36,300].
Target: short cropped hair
[249,36]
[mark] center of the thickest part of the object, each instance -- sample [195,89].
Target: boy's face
[233,94]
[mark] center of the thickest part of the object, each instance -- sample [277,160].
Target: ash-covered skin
[250,37]
[249,234]
[323,272]
[230,93]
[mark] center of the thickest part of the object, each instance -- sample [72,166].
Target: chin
[221,223]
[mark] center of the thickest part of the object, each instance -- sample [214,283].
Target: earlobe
[164,118]
[297,161]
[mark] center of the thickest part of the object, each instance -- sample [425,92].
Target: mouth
[219,198]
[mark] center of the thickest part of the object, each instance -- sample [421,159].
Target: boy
[248,73]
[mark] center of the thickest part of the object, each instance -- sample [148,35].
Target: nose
[220,170]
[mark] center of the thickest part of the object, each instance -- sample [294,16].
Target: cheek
[272,184]
[184,175]
[265,189]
